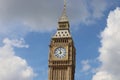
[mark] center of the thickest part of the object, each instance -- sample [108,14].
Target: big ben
[62,55]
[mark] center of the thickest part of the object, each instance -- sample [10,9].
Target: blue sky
[26,28]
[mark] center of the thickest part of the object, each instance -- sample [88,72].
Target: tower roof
[64,17]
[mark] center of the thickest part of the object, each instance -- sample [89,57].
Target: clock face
[60,52]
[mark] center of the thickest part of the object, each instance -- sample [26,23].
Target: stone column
[69,74]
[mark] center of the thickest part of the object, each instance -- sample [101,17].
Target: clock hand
[60,51]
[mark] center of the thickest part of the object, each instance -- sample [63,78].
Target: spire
[64,17]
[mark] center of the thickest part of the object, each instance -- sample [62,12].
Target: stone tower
[62,51]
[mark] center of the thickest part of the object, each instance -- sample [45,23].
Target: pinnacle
[64,17]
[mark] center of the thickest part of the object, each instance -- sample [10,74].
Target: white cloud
[99,7]
[110,49]
[84,11]
[15,43]
[17,17]
[85,65]
[13,67]
[102,76]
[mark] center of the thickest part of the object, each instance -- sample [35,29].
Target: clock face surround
[60,52]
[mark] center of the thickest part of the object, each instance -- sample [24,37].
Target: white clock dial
[60,52]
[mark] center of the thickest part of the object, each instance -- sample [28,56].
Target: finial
[64,16]
[65,4]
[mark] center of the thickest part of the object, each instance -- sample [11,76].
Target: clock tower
[62,51]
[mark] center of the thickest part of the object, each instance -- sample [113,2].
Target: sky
[26,28]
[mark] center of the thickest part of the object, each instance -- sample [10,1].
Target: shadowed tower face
[62,51]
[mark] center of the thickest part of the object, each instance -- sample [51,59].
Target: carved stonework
[62,52]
